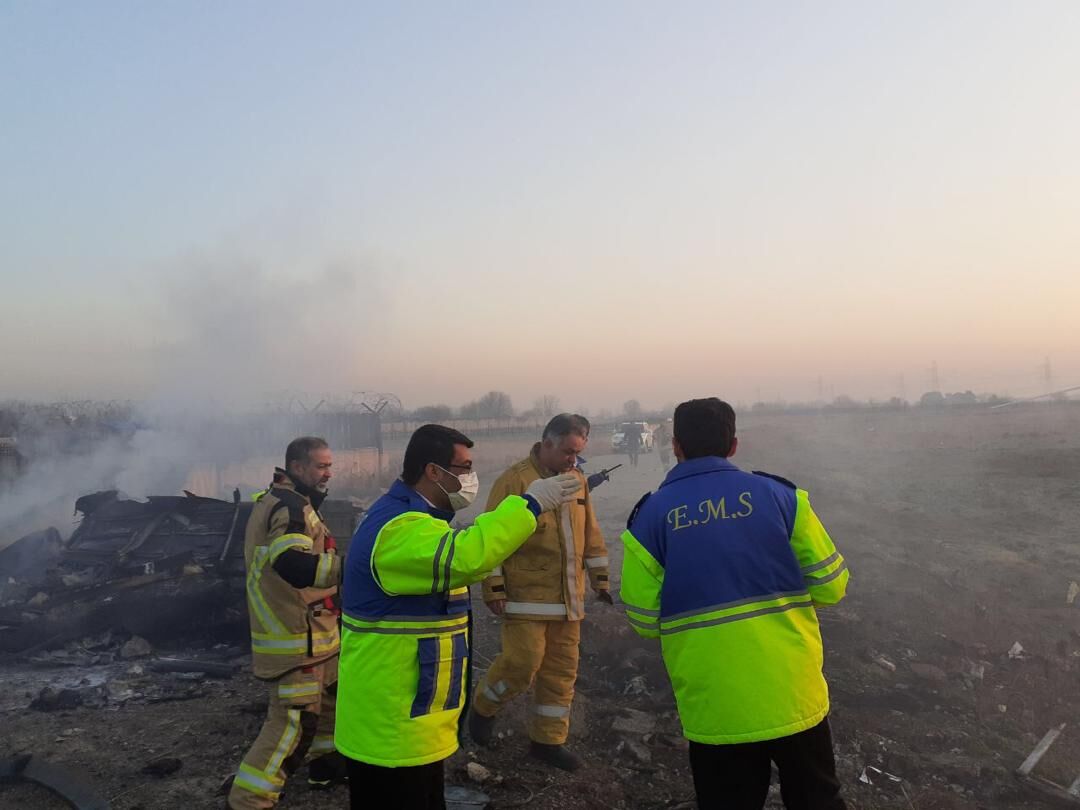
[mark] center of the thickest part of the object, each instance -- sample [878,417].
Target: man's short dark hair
[705,427]
[430,444]
[300,449]
[564,424]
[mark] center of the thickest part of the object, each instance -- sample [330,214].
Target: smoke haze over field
[769,202]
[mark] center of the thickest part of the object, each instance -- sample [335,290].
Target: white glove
[551,493]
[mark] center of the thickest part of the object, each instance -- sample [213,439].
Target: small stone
[136,647]
[39,599]
[885,663]
[637,751]
[477,772]
[634,722]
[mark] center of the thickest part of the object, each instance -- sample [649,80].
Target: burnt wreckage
[168,567]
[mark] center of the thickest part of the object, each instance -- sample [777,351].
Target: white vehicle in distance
[618,436]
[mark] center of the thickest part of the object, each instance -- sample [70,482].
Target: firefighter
[540,593]
[405,645]
[727,569]
[293,581]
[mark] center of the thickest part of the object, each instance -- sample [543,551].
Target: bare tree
[492,405]
[632,408]
[433,413]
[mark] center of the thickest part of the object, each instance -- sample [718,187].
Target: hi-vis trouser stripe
[270,780]
[735,611]
[550,711]
[322,744]
[289,692]
[825,571]
[597,562]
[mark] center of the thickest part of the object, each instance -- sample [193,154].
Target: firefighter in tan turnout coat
[293,583]
[540,593]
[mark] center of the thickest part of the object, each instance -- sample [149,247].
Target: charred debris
[169,567]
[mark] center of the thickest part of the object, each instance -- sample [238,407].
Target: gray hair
[564,424]
[300,449]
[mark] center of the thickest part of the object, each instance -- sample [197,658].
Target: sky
[600,201]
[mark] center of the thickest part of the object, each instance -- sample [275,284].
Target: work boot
[481,728]
[556,755]
[327,771]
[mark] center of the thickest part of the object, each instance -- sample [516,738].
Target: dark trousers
[736,777]
[373,787]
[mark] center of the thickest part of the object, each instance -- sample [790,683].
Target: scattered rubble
[477,772]
[136,647]
[632,721]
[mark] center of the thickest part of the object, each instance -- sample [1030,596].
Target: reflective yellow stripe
[322,744]
[275,644]
[324,642]
[256,781]
[285,745]
[747,609]
[442,682]
[536,608]
[322,571]
[255,598]
[420,625]
[287,541]
[298,689]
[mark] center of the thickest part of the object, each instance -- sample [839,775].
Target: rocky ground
[960,528]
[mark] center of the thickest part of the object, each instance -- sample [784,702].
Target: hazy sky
[597,200]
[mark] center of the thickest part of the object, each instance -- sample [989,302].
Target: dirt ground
[960,527]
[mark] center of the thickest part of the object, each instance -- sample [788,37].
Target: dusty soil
[960,528]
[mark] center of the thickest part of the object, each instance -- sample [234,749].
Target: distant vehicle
[618,436]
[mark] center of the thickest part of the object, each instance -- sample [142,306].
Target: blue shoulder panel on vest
[636,509]
[783,481]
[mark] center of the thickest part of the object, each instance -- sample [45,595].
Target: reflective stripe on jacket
[405,645]
[726,568]
[290,627]
[545,578]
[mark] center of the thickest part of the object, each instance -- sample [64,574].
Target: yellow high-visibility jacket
[402,677]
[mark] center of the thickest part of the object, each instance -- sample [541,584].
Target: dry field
[960,527]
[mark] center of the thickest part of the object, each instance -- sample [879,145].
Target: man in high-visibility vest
[293,579]
[405,621]
[540,593]
[727,569]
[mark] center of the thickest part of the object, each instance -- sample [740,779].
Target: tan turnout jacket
[545,578]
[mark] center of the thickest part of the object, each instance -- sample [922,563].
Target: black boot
[556,755]
[327,771]
[481,728]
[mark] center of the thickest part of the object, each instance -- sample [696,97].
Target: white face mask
[464,497]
